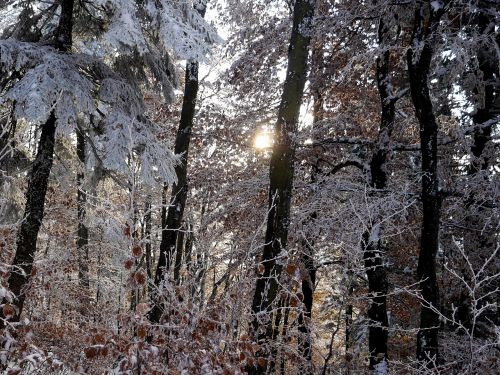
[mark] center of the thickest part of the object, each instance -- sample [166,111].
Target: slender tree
[373,252]
[38,182]
[486,115]
[82,241]
[307,248]
[419,56]
[281,174]
[174,215]
[147,238]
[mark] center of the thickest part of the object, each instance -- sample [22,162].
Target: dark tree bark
[179,252]
[307,255]
[419,58]
[281,176]
[33,216]
[82,231]
[175,212]
[282,310]
[147,239]
[37,186]
[64,32]
[304,319]
[348,324]
[373,253]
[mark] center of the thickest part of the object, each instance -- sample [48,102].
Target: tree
[174,219]
[37,186]
[419,56]
[373,252]
[281,173]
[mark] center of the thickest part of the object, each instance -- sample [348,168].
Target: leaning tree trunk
[373,253]
[419,58]
[37,186]
[175,212]
[281,173]
[33,216]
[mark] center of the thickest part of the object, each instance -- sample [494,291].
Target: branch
[368,142]
[347,163]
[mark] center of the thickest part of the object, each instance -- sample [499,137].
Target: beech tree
[424,37]
[281,172]
[172,227]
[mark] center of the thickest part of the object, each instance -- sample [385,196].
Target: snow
[437,5]
[182,29]
[375,233]
[67,84]
[381,368]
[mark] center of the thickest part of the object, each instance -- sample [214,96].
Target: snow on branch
[81,86]
[181,29]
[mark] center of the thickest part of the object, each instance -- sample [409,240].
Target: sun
[263,141]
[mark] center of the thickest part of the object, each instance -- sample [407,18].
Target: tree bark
[179,253]
[373,253]
[22,264]
[37,186]
[281,173]
[147,239]
[419,58]
[307,256]
[175,212]
[82,231]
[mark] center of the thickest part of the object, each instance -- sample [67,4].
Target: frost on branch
[180,27]
[80,86]
[141,39]
[49,81]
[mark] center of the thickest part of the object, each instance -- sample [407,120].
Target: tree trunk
[179,253]
[82,231]
[178,196]
[484,119]
[485,115]
[419,59]
[147,239]
[373,253]
[304,319]
[33,215]
[281,175]
[348,320]
[307,255]
[189,249]
[37,186]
